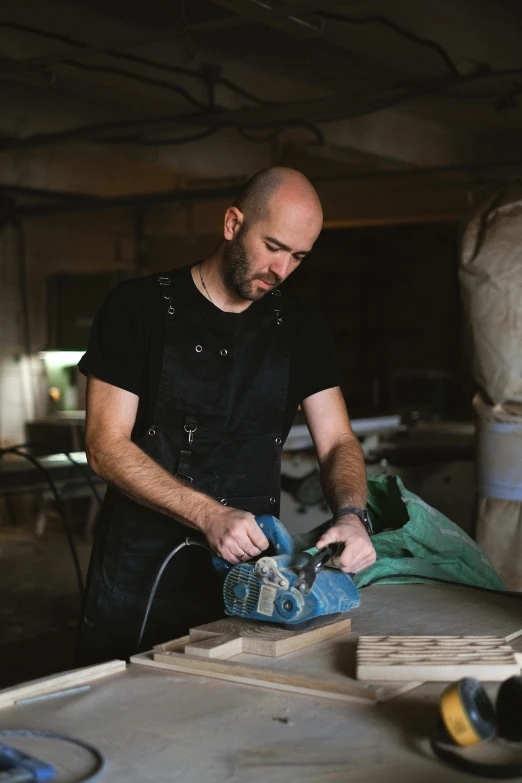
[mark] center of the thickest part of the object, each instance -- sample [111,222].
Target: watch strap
[358,512]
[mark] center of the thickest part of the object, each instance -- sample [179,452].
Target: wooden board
[349,691]
[435,658]
[58,682]
[233,636]
[172,656]
[262,677]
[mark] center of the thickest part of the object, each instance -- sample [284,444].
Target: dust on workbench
[39,602]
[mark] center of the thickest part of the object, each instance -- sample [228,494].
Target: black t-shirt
[127,340]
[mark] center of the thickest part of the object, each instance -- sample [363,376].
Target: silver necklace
[203,284]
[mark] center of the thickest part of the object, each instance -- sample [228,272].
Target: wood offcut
[269,642]
[47,685]
[226,638]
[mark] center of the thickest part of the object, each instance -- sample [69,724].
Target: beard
[238,271]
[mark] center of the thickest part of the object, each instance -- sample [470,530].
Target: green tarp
[414,538]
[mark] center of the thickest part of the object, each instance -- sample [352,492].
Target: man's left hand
[358,550]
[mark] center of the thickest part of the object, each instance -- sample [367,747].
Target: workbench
[162,726]
[72,477]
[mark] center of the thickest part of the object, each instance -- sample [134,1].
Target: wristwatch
[358,512]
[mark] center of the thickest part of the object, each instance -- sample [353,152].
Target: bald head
[268,231]
[277,188]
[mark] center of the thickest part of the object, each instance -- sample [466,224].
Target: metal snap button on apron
[223,352]
[151,431]
[223,501]
[278,441]
[199,348]
[272,500]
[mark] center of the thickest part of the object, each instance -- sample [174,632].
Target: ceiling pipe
[229,191]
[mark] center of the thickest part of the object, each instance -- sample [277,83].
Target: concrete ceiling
[215,89]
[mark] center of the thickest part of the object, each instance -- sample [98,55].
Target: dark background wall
[391,297]
[389,293]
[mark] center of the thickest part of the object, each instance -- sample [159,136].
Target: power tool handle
[309,572]
[276,533]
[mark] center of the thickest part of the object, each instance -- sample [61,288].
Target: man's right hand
[235,535]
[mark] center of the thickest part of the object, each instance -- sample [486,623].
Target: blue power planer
[285,588]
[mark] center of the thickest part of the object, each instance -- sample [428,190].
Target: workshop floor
[39,603]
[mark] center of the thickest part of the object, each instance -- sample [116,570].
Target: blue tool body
[18,766]
[266,590]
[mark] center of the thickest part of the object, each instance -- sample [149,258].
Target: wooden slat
[174,644]
[261,677]
[59,682]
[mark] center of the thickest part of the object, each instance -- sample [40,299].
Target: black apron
[218,426]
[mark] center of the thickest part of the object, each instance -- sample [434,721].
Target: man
[194,380]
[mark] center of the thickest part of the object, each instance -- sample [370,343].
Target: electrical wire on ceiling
[176,70]
[223,118]
[387,99]
[402,31]
[244,133]
[267,136]
[24,28]
[316,130]
[141,141]
[201,76]
[143,79]
[191,194]
[390,97]
[322,113]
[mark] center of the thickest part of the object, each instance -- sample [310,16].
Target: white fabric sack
[491,282]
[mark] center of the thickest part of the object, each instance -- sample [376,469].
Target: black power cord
[99,759]
[61,510]
[78,466]
[493,771]
[187,542]
[193,542]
